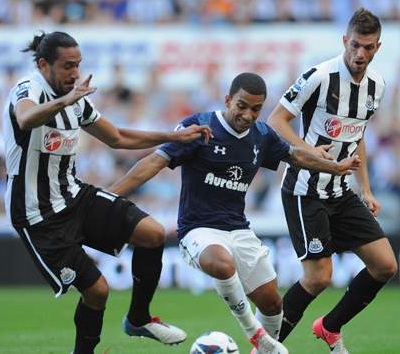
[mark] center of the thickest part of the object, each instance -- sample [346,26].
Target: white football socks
[231,291]
[272,324]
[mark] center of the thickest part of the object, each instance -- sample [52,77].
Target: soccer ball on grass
[214,342]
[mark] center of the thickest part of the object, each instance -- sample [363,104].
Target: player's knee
[224,270]
[386,271]
[217,262]
[148,233]
[220,268]
[272,305]
[156,236]
[316,284]
[96,296]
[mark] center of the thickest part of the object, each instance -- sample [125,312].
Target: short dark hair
[364,22]
[250,82]
[45,45]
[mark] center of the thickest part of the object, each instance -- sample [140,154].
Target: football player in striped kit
[335,101]
[55,213]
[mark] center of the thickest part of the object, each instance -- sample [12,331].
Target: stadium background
[157,61]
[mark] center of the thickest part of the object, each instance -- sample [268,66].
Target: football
[214,342]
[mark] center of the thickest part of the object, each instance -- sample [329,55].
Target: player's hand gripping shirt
[333,109]
[40,162]
[217,175]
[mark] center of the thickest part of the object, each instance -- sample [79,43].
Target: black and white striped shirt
[333,109]
[40,162]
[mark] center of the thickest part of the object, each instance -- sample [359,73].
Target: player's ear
[43,65]
[228,100]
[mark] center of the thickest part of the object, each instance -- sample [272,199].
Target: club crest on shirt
[315,246]
[255,151]
[67,275]
[370,105]
[77,110]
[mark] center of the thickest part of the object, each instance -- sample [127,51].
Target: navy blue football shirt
[216,176]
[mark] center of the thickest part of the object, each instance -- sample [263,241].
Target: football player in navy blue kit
[214,234]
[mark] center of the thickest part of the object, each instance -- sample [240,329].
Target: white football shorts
[252,260]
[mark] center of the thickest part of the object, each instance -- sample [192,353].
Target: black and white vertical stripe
[41,180]
[333,109]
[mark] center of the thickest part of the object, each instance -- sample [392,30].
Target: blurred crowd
[155,108]
[28,12]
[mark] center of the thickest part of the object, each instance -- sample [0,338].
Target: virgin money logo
[52,141]
[333,127]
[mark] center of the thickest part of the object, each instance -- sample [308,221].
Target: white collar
[228,128]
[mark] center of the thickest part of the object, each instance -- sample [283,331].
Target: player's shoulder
[201,118]
[330,64]
[27,81]
[263,128]
[314,75]
[24,85]
[323,69]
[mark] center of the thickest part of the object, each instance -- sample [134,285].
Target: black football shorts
[98,219]
[320,227]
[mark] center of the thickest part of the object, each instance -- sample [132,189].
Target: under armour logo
[256,151]
[221,150]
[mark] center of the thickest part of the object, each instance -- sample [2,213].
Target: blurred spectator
[118,97]
[208,95]
[9,75]
[265,10]
[49,12]
[96,162]
[18,12]
[115,10]
[386,9]
[73,10]
[150,11]
[218,11]
[189,11]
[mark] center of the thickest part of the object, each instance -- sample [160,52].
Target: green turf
[32,321]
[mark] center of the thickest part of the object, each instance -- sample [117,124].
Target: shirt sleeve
[89,113]
[178,153]
[28,89]
[300,92]
[276,150]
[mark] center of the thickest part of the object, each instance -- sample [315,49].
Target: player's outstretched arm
[119,138]
[311,161]
[141,172]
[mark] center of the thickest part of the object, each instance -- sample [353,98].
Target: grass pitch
[32,321]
